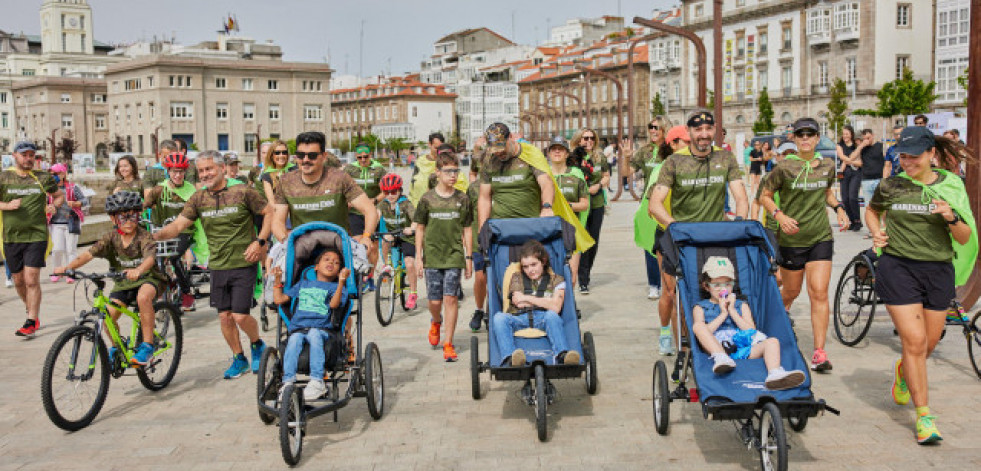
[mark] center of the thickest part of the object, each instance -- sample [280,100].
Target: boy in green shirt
[443,243]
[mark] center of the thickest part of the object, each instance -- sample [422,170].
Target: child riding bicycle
[396,214]
[131,249]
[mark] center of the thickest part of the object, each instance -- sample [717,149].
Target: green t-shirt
[228,218]
[514,188]
[600,166]
[135,185]
[27,223]
[368,178]
[397,216]
[444,219]
[168,202]
[325,200]
[110,247]
[698,184]
[473,192]
[913,231]
[803,187]
[572,186]
[644,160]
[769,221]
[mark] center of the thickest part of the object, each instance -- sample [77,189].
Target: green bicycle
[391,285]
[77,369]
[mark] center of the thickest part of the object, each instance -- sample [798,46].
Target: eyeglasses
[450,171]
[722,284]
[652,127]
[589,138]
[307,155]
[805,134]
[392,192]
[128,216]
[281,152]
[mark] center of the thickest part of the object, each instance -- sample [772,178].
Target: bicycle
[75,404]
[393,284]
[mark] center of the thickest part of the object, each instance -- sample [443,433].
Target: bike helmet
[175,160]
[391,182]
[123,201]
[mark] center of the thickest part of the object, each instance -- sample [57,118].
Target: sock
[240,356]
[921,411]
[666,330]
[257,343]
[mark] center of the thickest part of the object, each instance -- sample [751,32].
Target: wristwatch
[954,221]
[469,257]
[839,206]
[262,242]
[547,206]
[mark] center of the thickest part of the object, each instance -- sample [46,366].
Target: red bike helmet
[391,182]
[175,160]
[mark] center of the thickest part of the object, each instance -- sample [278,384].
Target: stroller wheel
[267,382]
[474,368]
[772,439]
[797,424]
[662,398]
[291,425]
[541,403]
[589,351]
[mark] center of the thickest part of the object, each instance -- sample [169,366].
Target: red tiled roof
[408,85]
[551,70]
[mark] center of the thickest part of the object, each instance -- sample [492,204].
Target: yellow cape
[534,157]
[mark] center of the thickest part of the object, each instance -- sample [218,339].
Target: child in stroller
[725,329]
[317,302]
[535,288]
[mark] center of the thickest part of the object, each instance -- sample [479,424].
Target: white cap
[716,267]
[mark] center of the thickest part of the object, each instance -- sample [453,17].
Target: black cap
[805,123]
[699,118]
[558,141]
[915,140]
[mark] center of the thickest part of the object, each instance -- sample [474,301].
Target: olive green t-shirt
[228,217]
[698,184]
[644,160]
[913,231]
[135,185]
[367,178]
[600,165]
[167,203]
[518,286]
[120,257]
[573,187]
[770,222]
[27,223]
[444,219]
[473,193]
[326,200]
[803,197]
[397,216]
[515,192]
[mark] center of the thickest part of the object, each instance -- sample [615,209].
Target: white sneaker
[723,364]
[782,379]
[9,284]
[314,390]
[654,292]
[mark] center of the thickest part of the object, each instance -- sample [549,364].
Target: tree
[657,107]
[710,101]
[396,145]
[66,147]
[118,144]
[962,81]
[902,97]
[837,105]
[764,118]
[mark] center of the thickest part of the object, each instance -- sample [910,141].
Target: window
[3,97]
[100,121]
[786,79]
[247,84]
[187,81]
[762,78]
[415,112]
[250,142]
[273,84]
[740,46]
[851,73]
[82,42]
[220,82]
[221,110]
[66,121]
[953,27]
[149,81]
[98,98]
[699,10]
[903,15]
[181,110]
[274,111]
[313,113]
[132,84]
[27,72]
[66,98]
[4,120]
[846,15]
[763,40]
[822,78]
[788,37]
[248,111]
[64,42]
[902,63]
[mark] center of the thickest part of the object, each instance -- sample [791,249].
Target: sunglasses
[652,127]
[307,155]
[807,134]
[723,284]
[589,138]
[130,216]
[364,157]
[451,171]
[281,152]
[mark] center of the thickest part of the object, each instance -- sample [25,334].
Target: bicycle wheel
[855,302]
[402,290]
[75,379]
[974,342]
[385,299]
[168,342]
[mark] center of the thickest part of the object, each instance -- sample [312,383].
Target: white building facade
[953,31]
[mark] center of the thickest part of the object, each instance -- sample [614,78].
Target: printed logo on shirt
[815,185]
[914,208]
[217,213]
[24,191]
[315,206]
[364,181]
[395,221]
[130,263]
[703,181]
[173,204]
[505,179]
[568,191]
[445,215]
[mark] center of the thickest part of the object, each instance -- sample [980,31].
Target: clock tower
[66,27]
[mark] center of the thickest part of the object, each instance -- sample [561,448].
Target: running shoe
[926,430]
[666,344]
[239,367]
[583,289]
[187,302]
[55,279]
[434,333]
[819,362]
[9,284]
[956,314]
[900,392]
[143,354]
[69,280]
[653,292]
[30,328]
[257,355]
[518,357]
[387,270]
[476,320]
[449,353]
[410,301]
[314,390]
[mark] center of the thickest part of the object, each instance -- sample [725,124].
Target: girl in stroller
[725,329]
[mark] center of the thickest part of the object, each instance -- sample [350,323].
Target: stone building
[63,107]
[952,37]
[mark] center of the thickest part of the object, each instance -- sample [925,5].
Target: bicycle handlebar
[75,274]
[397,233]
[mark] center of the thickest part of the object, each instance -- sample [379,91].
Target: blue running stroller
[363,376]
[500,240]
[740,394]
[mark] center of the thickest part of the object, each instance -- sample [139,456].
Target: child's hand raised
[342,276]
[277,273]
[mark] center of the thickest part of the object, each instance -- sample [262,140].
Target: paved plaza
[201,421]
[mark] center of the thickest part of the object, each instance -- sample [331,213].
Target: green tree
[962,81]
[838,105]
[902,97]
[764,119]
[396,145]
[657,107]
[710,101]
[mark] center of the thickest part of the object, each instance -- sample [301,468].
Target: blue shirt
[712,310]
[893,156]
[312,301]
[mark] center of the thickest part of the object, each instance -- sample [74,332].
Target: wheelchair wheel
[73,400]
[772,439]
[974,342]
[385,299]
[855,302]
[267,382]
[291,424]
[474,368]
[541,403]
[797,424]
[168,331]
[662,398]
[374,381]
[589,352]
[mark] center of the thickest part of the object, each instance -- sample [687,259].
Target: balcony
[847,33]
[659,65]
[819,38]
[673,63]
[819,89]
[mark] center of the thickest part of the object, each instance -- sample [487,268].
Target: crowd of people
[914,211]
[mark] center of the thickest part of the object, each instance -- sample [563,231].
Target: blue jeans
[316,339]
[653,271]
[868,189]
[504,326]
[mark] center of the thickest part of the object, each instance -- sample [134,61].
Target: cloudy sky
[397,34]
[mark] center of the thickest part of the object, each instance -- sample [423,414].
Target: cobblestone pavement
[203,422]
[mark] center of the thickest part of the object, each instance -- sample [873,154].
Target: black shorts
[658,234]
[794,258]
[233,290]
[356,223]
[756,168]
[24,254]
[408,250]
[127,297]
[902,281]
